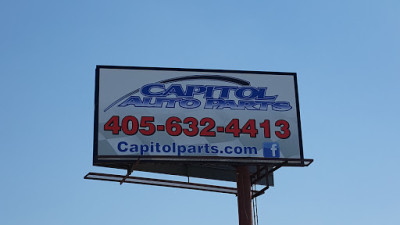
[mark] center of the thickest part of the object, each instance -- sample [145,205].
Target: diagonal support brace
[129,171]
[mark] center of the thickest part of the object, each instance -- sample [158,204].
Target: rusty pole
[244,195]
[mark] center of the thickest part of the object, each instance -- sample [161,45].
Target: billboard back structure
[196,122]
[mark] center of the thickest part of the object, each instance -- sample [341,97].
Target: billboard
[196,116]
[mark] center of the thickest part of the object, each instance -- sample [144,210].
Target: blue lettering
[281,106]
[191,149]
[157,147]
[134,148]
[133,100]
[156,95]
[213,103]
[247,105]
[170,102]
[209,92]
[120,146]
[228,104]
[225,90]
[166,148]
[192,90]
[214,149]
[238,150]
[189,103]
[175,89]
[250,150]
[143,149]
[264,105]
[261,95]
[181,149]
[146,90]
[241,93]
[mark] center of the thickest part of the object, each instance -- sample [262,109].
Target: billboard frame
[123,162]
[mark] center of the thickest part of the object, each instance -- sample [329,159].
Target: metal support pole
[244,195]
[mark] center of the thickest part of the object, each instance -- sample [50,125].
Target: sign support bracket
[160,182]
[129,171]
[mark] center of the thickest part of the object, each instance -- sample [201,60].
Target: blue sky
[346,54]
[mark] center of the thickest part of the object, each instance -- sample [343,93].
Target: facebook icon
[271,150]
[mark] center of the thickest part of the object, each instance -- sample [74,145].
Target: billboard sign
[192,115]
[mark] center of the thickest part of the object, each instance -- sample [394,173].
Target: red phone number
[130,125]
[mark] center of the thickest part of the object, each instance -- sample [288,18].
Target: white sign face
[180,114]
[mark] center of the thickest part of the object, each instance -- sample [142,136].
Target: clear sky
[346,54]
